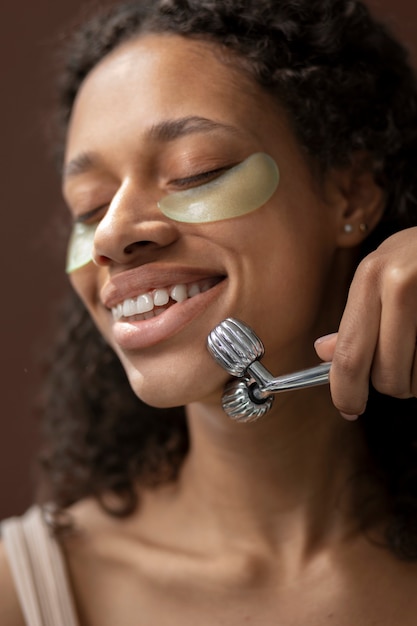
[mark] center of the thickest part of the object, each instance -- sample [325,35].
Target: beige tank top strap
[38,570]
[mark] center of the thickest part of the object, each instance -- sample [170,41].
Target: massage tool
[237,348]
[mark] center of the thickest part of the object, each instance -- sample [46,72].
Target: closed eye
[198,179]
[89,216]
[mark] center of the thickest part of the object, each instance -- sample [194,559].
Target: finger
[325,346]
[356,344]
[393,368]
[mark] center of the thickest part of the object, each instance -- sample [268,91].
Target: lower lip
[147,333]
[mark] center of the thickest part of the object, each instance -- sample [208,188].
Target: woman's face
[159,115]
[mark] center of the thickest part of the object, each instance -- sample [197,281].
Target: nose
[131,227]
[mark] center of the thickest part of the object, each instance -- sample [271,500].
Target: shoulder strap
[38,570]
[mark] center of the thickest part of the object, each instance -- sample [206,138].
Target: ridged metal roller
[234,346]
[237,348]
[240,405]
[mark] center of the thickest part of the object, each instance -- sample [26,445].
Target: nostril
[100,259]
[138,244]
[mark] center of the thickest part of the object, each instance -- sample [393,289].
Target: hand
[377,334]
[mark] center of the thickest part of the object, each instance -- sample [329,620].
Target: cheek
[286,263]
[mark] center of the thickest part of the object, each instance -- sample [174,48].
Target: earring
[348,228]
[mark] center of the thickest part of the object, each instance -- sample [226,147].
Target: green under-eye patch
[80,247]
[240,190]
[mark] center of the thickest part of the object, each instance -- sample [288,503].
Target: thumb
[324,346]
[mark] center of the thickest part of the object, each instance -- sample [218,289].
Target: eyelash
[197,178]
[85,217]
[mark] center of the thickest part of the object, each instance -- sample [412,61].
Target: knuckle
[395,277]
[345,364]
[397,283]
[369,268]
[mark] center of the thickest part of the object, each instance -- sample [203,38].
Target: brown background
[31,268]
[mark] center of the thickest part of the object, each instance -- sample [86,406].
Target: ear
[358,201]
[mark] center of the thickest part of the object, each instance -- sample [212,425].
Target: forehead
[162,75]
[165,56]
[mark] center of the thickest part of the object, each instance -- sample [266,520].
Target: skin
[229,249]
[261,526]
[377,334]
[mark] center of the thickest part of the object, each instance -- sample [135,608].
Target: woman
[182,516]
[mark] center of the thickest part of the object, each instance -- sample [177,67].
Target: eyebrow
[168,130]
[79,165]
[172,129]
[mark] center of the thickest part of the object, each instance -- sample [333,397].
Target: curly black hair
[348,88]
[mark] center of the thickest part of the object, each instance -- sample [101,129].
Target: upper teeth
[146,302]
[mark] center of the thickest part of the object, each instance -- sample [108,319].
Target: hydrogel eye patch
[242,189]
[80,247]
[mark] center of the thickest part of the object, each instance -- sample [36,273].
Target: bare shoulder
[10,611]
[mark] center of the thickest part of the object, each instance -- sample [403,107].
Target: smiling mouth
[154,302]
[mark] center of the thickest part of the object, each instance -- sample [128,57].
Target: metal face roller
[237,348]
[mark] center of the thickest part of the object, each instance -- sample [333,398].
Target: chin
[177,389]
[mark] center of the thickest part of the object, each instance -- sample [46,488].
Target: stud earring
[348,228]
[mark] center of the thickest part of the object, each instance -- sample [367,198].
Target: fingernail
[350,418]
[325,338]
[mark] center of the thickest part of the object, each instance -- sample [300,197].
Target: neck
[287,475]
